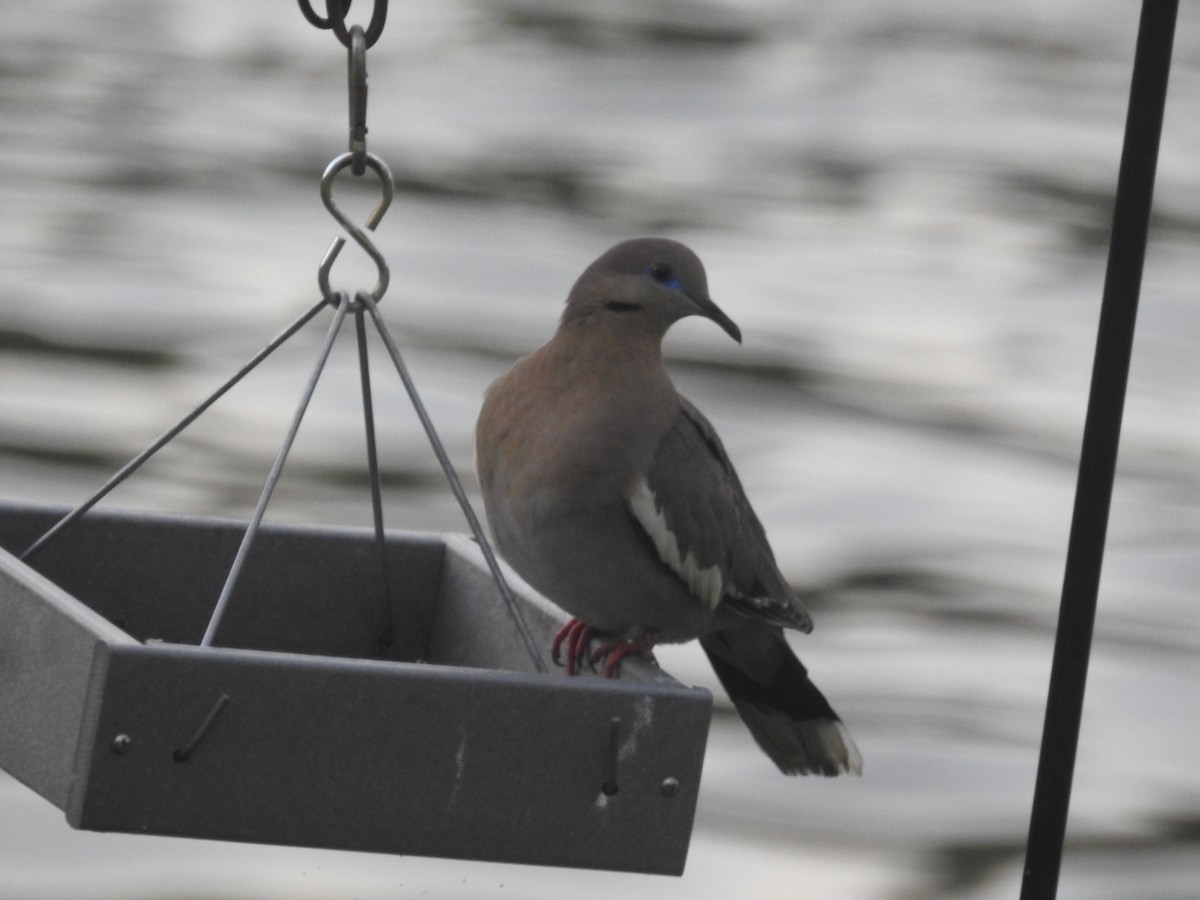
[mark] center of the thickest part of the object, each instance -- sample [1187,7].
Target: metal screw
[669,787]
[120,744]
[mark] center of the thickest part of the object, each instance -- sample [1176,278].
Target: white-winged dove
[612,495]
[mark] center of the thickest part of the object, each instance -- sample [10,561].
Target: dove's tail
[790,719]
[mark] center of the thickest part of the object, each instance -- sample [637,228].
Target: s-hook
[388,191]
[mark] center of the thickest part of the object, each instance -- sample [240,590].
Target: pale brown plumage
[612,495]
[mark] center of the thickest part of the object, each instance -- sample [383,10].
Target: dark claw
[614,652]
[577,636]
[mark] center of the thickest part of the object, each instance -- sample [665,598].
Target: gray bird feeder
[317,722]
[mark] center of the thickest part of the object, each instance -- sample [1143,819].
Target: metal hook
[356,71]
[388,190]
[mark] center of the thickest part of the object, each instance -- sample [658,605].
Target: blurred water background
[905,206]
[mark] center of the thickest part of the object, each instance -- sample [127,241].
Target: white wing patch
[706,583]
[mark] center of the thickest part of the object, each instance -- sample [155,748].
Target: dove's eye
[660,272]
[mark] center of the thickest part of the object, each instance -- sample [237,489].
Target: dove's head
[645,285]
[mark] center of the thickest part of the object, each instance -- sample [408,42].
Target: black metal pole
[1098,458]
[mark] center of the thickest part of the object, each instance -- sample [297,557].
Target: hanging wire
[364,370]
[1098,457]
[167,436]
[456,485]
[273,477]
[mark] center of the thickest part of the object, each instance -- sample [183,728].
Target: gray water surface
[906,208]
